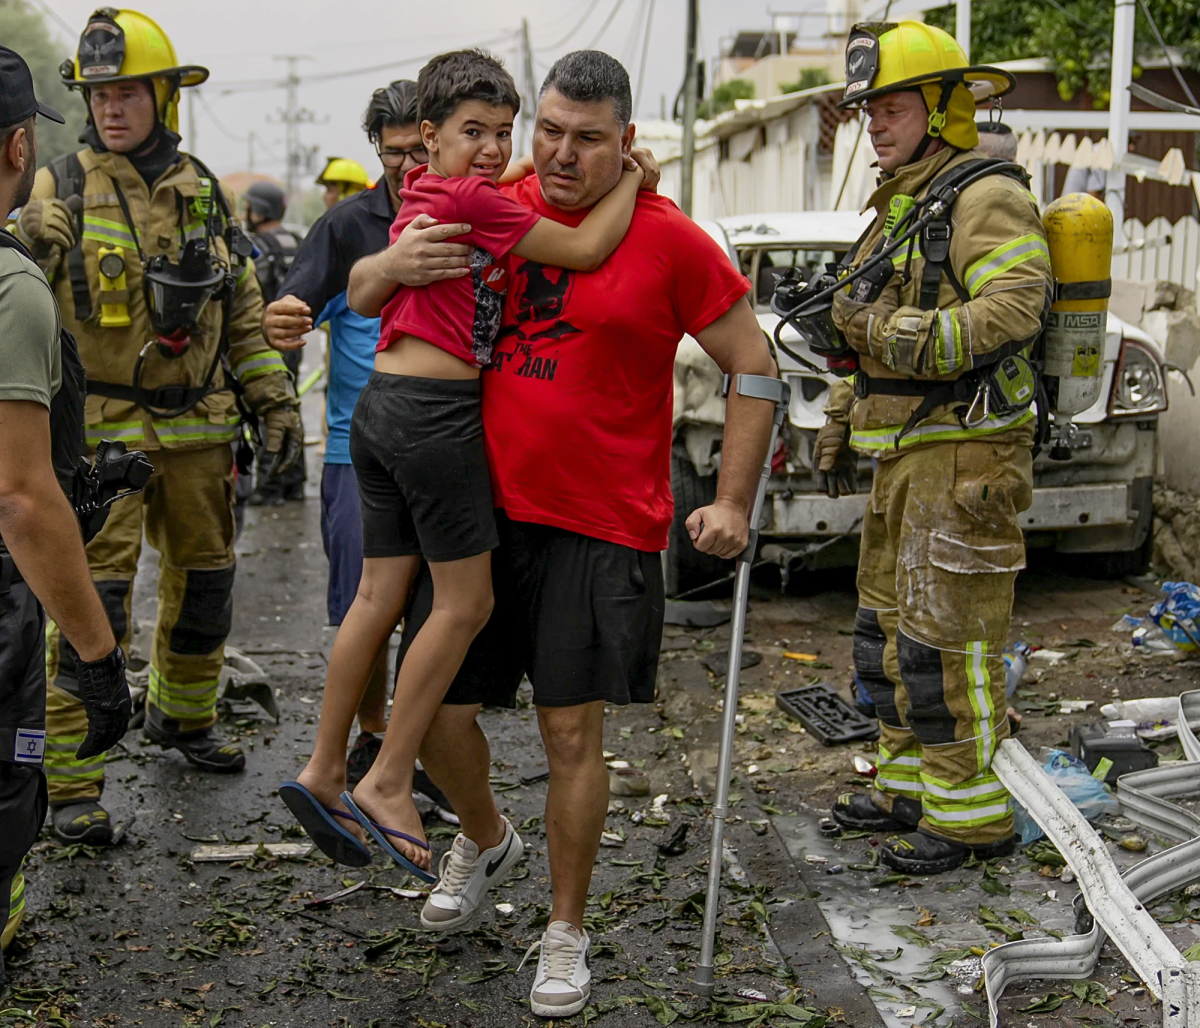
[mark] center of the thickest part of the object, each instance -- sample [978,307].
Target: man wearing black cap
[41,549]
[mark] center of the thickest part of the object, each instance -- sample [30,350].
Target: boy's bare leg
[462,603]
[456,755]
[576,802]
[382,594]
[372,710]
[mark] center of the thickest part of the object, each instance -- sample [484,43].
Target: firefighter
[942,399]
[154,279]
[264,206]
[341,178]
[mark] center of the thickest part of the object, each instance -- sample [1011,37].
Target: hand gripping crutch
[758,387]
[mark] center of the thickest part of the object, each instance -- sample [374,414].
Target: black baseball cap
[17,101]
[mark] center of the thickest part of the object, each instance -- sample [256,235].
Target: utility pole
[292,116]
[962,26]
[527,107]
[1118,112]
[688,154]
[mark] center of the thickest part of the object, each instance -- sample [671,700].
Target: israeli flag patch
[30,746]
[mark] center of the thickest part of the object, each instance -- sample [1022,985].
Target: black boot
[856,810]
[82,821]
[202,748]
[921,853]
[362,756]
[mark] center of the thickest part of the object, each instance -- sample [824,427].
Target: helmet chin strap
[937,120]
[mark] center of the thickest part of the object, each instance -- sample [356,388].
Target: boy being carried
[417,446]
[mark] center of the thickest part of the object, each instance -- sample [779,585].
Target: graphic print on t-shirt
[541,296]
[490,280]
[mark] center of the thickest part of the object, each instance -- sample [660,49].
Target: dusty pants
[941,547]
[186,512]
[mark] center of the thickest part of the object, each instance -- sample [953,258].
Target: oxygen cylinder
[1079,231]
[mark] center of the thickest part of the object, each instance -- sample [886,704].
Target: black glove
[835,465]
[105,695]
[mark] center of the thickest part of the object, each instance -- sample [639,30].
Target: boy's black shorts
[423,481]
[583,618]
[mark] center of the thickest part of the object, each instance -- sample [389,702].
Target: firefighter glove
[835,465]
[273,398]
[862,323]
[106,699]
[45,224]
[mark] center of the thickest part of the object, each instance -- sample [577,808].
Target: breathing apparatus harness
[176,292]
[1002,382]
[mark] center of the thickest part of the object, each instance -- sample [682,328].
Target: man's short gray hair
[592,76]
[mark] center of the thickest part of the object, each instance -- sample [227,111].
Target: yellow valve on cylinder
[1079,231]
[114,291]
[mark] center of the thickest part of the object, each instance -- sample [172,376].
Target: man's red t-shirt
[459,315]
[577,402]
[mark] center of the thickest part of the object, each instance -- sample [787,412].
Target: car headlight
[1138,385]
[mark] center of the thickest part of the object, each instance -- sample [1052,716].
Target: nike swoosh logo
[493,865]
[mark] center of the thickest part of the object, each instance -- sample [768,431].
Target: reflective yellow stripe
[243,273]
[188,430]
[899,772]
[105,231]
[126,431]
[185,700]
[876,440]
[263,363]
[948,344]
[61,764]
[1009,255]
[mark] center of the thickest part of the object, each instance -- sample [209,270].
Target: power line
[604,28]
[252,85]
[62,24]
[637,99]
[216,121]
[629,47]
[1167,54]
[578,25]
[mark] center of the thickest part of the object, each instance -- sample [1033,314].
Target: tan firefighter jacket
[166,218]
[998,253]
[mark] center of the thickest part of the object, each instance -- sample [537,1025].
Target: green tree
[23,28]
[1075,36]
[723,97]
[809,78]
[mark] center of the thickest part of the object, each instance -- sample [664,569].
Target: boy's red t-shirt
[577,402]
[459,315]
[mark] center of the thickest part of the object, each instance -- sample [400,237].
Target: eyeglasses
[395,158]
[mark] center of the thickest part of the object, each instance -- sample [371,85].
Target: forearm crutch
[758,387]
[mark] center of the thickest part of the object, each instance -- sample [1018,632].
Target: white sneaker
[464,875]
[563,983]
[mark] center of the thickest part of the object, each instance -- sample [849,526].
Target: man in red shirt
[577,418]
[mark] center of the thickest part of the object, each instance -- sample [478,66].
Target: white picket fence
[1149,257]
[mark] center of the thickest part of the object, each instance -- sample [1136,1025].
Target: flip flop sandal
[380,834]
[317,820]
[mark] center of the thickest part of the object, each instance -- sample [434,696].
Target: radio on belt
[1116,740]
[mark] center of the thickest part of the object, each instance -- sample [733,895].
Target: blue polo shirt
[352,342]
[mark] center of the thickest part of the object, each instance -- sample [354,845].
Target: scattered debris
[676,843]
[243,851]
[612,840]
[826,714]
[628,781]
[718,661]
[1134,843]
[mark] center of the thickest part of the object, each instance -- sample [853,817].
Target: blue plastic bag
[1177,617]
[1090,795]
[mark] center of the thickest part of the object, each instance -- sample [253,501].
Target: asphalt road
[142,935]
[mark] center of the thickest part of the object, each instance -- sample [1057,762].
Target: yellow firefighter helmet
[349,177]
[121,45]
[894,56]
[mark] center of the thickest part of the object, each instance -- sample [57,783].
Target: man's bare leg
[456,755]
[576,802]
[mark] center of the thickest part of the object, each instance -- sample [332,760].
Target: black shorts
[583,618]
[423,481]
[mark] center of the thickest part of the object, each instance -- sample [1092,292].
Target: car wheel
[686,567]
[1124,563]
